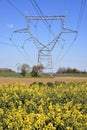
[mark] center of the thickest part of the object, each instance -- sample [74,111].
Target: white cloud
[10,25]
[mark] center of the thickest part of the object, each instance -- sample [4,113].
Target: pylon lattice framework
[44,51]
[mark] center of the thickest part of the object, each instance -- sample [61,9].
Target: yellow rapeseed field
[57,106]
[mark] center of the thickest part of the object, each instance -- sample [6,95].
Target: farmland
[44,80]
[38,106]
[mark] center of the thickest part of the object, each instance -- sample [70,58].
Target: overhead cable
[40,13]
[81,13]
[3,43]
[15,7]
[27,55]
[68,49]
[17,48]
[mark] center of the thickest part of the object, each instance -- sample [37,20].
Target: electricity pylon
[45,51]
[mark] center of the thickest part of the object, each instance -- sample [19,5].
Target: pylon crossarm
[38,44]
[45,17]
[66,30]
[25,30]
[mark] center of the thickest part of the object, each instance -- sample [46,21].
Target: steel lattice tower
[45,51]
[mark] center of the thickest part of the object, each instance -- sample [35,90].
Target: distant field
[7,74]
[44,80]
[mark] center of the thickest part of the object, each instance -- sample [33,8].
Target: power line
[34,6]
[27,55]
[3,43]
[13,44]
[15,7]
[7,44]
[38,10]
[81,13]
[40,13]
[59,54]
[68,49]
[21,51]
[26,51]
[17,48]
[12,34]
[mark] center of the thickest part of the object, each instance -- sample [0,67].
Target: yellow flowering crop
[57,106]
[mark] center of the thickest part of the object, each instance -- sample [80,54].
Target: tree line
[34,72]
[37,70]
[69,70]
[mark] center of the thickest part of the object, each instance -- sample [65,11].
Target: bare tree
[25,69]
[36,70]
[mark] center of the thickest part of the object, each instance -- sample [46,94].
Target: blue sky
[11,52]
